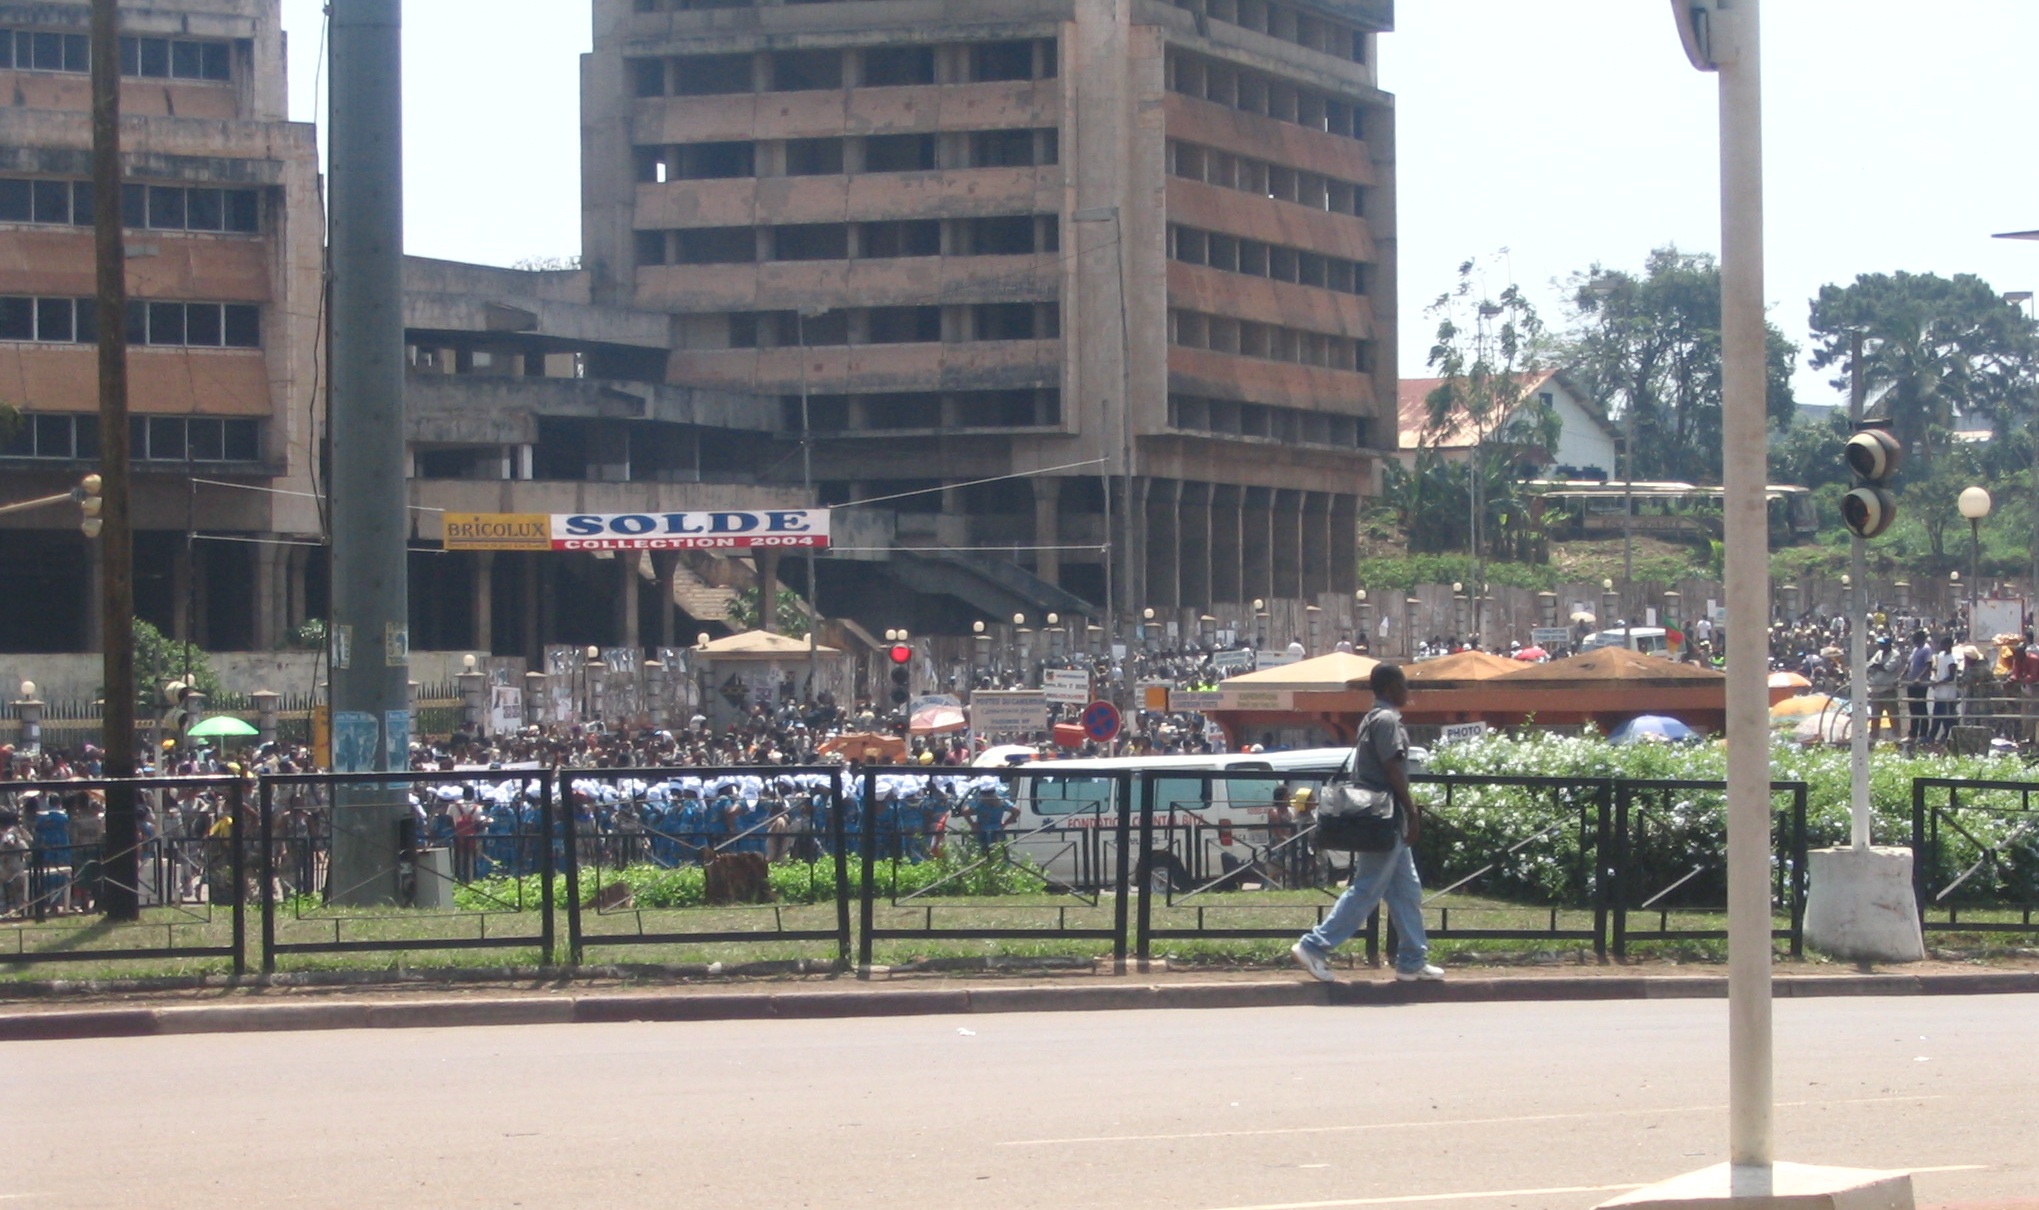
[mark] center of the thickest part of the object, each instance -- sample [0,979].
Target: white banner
[792,527]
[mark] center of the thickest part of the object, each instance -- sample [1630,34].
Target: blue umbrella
[1656,728]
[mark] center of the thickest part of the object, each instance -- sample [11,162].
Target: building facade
[224,236]
[1102,290]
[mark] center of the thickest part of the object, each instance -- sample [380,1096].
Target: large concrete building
[1044,264]
[1021,280]
[225,238]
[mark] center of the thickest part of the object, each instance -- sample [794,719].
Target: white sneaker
[1429,974]
[1314,962]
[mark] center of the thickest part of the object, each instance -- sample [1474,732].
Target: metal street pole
[369,494]
[1736,40]
[121,898]
[1858,644]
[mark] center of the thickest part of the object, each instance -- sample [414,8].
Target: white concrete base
[1861,905]
[1784,1187]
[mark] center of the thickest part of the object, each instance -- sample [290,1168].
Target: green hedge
[792,882]
[1679,830]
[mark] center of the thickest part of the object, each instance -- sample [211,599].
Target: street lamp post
[1974,504]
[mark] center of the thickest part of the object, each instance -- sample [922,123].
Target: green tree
[791,613]
[1486,356]
[160,660]
[1647,349]
[1938,354]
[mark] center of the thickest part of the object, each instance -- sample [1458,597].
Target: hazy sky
[1568,132]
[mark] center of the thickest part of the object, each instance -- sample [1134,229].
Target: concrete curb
[918,1002]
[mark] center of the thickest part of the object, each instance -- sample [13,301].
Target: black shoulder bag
[1352,818]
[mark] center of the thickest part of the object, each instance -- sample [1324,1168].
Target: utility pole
[1858,632]
[121,898]
[370,518]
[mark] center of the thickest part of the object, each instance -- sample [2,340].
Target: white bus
[1206,827]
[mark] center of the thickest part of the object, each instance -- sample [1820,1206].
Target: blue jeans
[1377,876]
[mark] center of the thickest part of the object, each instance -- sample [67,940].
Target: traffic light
[902,672]
[1873,455]
[87,496]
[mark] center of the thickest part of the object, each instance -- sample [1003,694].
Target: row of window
[143,207]
[1003,235]
[1288,24]
[174,324]
[1234,254]
[140,58]
[1251,91]
[1021,148]
[75,438]
[824,70]
[1195,162]
[1269,342]
[1290,426]
[895,325]
[1008,409]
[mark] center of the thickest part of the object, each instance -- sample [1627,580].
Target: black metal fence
[802,829]
[1975,855]
[1670,861]
[1081,844]
[565,864]
[190,860]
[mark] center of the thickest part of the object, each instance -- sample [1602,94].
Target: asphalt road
[1474,1106]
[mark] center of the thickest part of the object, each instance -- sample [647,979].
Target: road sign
[1066,686]
[1550,636]
[1101,721]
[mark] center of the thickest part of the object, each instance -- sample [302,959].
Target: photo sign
[786,528]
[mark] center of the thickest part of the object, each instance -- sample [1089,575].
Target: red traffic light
[899,653]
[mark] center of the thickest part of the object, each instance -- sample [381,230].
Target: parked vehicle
[1650,640]
[1205,826]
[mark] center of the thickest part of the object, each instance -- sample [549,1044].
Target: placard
[1453,733]
[1066,686]
[1008,712]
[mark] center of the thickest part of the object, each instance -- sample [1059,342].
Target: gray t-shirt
[1382,741]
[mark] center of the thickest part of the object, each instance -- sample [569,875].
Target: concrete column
[1316,552]
[1547,609]
[29,711]
[473,686]
[1344,553]
[548,606]
[667,564]
[1048,528]
[484,627]
[1256,544]
[1132,589]
[768,590]
[626,599]
[1228,528]
[268,590]
[296,560]
[1412,614]
[265,714]
[181,572]
[532,566]
[1193,556]
[1164,544]
[201,597]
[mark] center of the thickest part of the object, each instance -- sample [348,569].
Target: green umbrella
[220,725]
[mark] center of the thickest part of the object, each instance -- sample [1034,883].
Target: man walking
[1380,762]
[1886,670]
